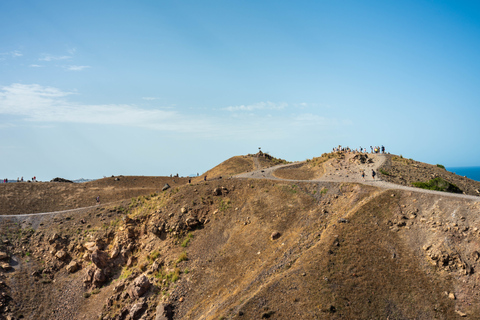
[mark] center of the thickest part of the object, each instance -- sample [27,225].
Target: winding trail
[336,170]
[345,170]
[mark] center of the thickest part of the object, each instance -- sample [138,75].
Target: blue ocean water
[469,172]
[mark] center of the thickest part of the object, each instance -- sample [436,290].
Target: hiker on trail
[373,174]
[383,149]
[98,199]
[205,178]
[363,175]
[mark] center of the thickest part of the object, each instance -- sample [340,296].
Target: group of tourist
[359,150]
[34,179]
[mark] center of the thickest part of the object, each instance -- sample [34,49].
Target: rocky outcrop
[100,259]
[61,180]
[72,266]
[139,286]
[164,312]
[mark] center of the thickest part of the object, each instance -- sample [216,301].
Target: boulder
[139,286]
[98,277]
[88,277]
[164,312]
[72,266]
[100,259]
[217,192]
[137,310]
[166,187]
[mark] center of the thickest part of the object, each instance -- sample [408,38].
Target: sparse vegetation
[441,166]
[384,172]
[182,257]
[224,204]
[438,184]
[186,241]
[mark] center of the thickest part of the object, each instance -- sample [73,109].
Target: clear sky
[99,88]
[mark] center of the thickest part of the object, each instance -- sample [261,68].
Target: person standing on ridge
[373,174]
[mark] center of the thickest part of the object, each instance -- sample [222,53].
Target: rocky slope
[248,249]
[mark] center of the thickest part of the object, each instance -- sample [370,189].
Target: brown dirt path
[347,170]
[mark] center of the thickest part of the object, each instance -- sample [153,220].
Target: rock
[100,259]
[53,238]
[3,255]
[164,312]
[460,313]
[217,192]
[119,286]
[61,255]
[72,266]
[275,235]
[86,256]
[183,210]
[5,266]
[137,310]
[342,220]
[98,277]
[61,180]
[131,260]
[115,252]
[166,187]
[90,246]
[476,255]
[191,222]
[157,264]
[88,277]
[139,286]
[451,295]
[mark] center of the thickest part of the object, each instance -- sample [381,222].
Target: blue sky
[99,88]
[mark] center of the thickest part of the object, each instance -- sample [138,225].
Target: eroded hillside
[248,249]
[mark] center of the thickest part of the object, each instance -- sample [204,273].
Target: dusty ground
[24,198]
[325,245]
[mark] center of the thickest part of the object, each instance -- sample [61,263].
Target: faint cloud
[76,68]
[149,98]
[72,51]
[257,106]
[16,54]
[13,54]
[36,66]
[38,103]
[49,57]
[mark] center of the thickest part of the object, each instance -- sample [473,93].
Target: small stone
[72,266]
[451,295]
[460,313]
[183,210]
[275,235]
[61,255]
[3,255]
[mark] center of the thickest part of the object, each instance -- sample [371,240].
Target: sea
[469,172]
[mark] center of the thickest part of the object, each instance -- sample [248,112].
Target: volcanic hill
[260,239]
